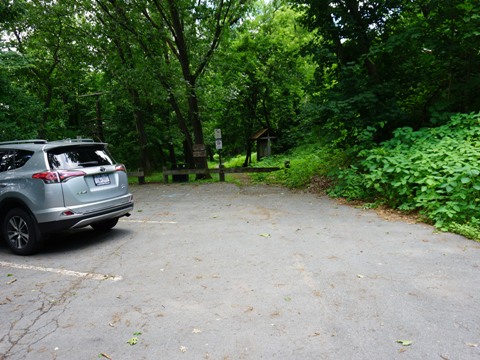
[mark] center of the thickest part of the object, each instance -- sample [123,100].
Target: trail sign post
[218,146]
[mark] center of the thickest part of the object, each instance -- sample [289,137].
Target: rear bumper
[78,221]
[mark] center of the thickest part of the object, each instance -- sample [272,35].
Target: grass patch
[302,166]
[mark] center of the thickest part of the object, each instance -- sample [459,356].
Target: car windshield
[78,157]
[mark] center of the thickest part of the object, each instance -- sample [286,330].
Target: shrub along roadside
[434,171]
[301,165]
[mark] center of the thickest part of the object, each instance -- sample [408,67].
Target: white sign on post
[218,144]
[218,134]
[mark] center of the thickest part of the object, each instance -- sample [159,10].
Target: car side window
[22,157]
[13,159]
[6,160]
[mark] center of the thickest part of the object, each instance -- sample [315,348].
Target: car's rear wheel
[21,232]
[105,225]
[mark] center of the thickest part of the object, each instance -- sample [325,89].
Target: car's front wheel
[105,225]
[21,232]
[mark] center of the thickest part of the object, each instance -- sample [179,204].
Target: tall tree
[18,108]
[41,35]
[391,63]
[47,35]
[180,36]
[259,78]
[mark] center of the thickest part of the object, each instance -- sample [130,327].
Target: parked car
[47,187]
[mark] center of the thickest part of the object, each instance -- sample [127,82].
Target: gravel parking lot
[220,271]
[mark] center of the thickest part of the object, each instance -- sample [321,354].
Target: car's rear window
[13,159]
[78,157]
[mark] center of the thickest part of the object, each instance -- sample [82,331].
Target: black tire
[105,225]
[21,233]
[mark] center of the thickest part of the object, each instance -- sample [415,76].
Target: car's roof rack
[41,141]
[77,140]
[16,142]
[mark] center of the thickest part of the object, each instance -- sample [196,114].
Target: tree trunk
[364,42]
[190,81]
[142,136]
[46,107]
[99,127]
[200,159]
[183,127]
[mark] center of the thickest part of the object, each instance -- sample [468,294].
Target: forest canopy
[154,78]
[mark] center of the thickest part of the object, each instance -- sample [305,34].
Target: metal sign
[218,133]
[218,144]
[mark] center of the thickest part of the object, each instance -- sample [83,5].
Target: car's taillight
[52,177]
[120,167]
[48,177]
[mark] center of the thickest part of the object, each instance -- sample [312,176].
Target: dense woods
[154,78]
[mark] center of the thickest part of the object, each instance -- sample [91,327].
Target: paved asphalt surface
[218,271]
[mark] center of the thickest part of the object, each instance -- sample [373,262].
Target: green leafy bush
[433,170]
[303,164]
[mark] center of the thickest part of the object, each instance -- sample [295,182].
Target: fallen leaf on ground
[132,341]
[183,349]
[405,342]
[265,235]
[196,331]
[471,344]
[106,356]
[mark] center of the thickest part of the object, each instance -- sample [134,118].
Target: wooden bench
[221,172]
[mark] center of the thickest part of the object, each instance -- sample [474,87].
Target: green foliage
[397,63]
[237,161]
[259,79]
[303,164]
[364,70]
[433,170]
[19,110]
[351,185]
[470,231]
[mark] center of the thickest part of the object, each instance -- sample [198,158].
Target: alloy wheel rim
[18,233]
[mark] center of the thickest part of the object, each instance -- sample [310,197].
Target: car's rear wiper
[88,163]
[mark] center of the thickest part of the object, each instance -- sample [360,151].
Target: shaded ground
[220,271]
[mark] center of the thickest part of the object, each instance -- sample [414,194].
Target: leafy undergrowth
[432,171]
[306,167]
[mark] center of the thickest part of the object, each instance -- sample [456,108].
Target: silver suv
[47,187]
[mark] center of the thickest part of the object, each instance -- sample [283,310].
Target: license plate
[101,179]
